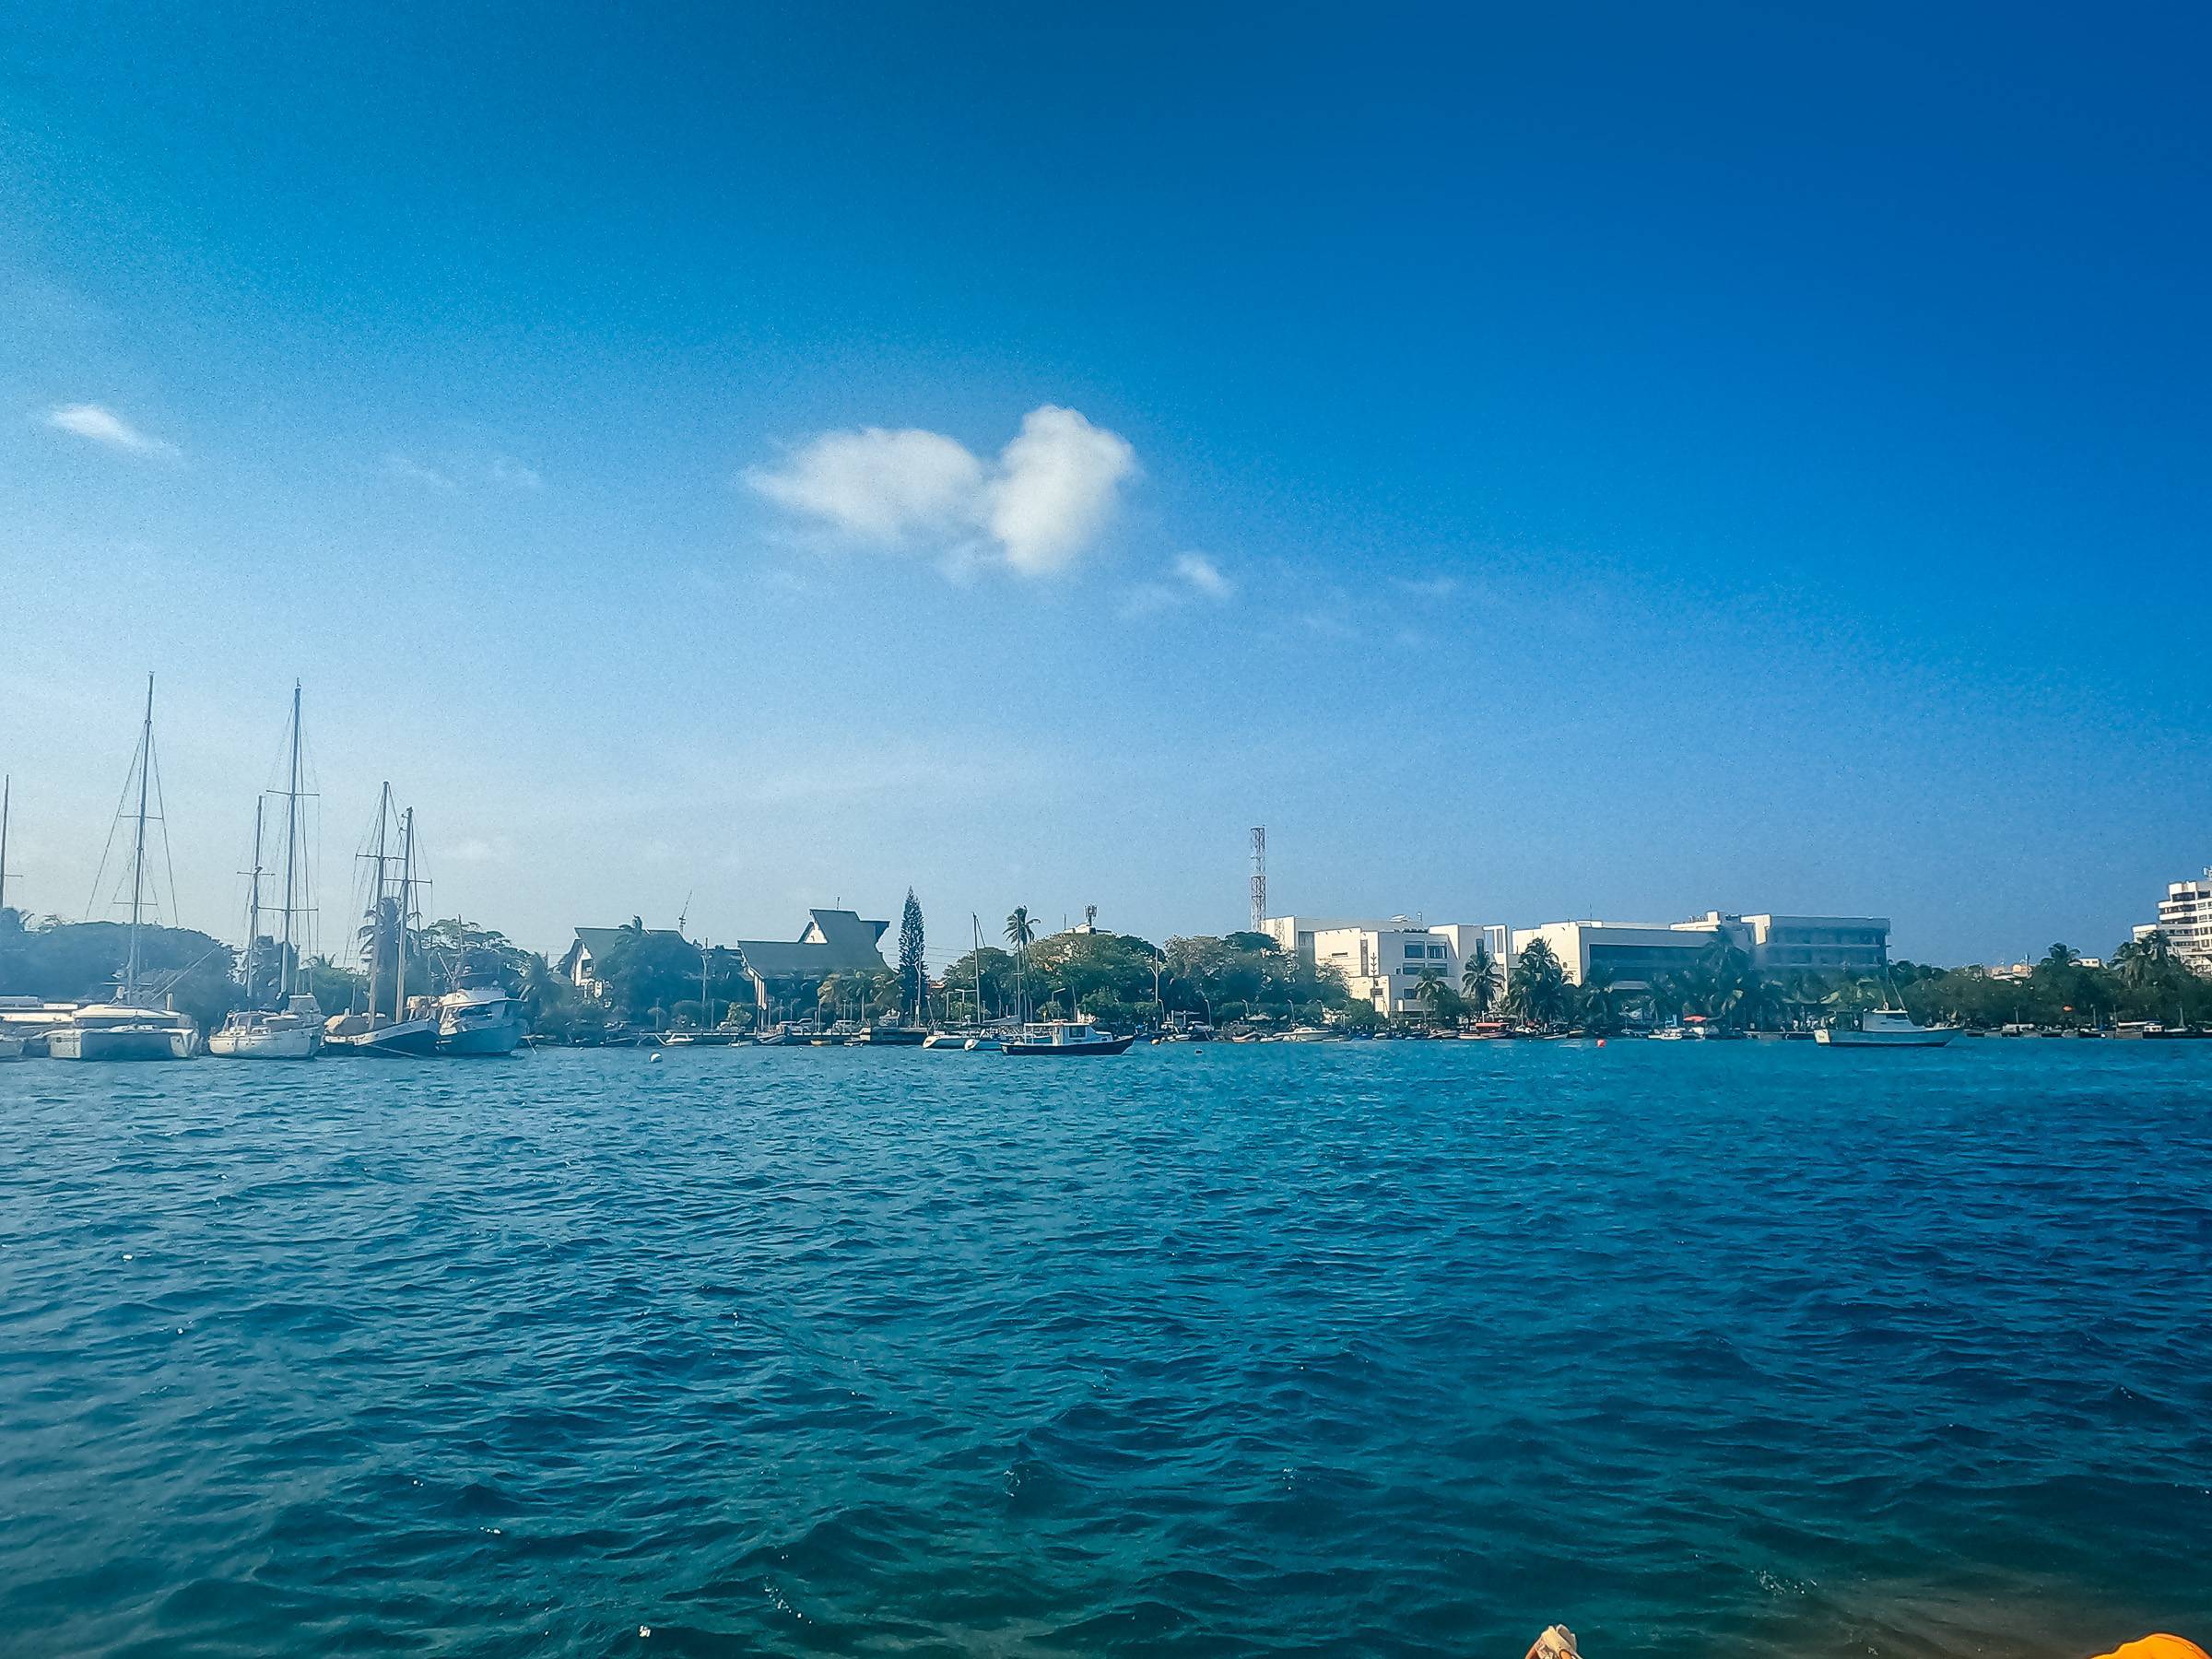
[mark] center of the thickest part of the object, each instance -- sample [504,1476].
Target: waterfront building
[833,941]
[1635,954]
[2185,918]
[1382,964]
[1382,961]
[1782,946]
[591,946]
[1295,935]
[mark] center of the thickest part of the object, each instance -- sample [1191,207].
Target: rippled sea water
[1366,1348]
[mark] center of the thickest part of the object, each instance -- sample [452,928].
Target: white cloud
[1055,488]
[1202,575]
[104,425]
[877,486]
[1044,503]
[410,471]
[1191,576]
[506,470]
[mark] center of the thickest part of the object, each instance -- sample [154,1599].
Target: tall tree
[913,978]
[1478,981]
[1021,933]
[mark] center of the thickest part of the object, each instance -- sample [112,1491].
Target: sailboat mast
[977,922]
[145,766]
[291,852]
[254,903]
[406,887]
[376,896]
[7,788]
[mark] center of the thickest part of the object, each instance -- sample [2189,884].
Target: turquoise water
[1399,1349]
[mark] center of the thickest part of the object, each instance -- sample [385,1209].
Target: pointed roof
[833,941]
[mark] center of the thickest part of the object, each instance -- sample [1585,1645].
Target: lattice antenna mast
[1259,877]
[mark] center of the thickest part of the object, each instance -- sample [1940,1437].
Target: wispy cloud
[453,475]
[1190,577]
[1203,576]
[408,470]
[1036,511]
[102,425]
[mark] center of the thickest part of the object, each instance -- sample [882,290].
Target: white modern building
[2185,918]
[1635,954]
[1383,962]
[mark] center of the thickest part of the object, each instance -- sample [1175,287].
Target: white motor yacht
[479,1020]
[1885,1028]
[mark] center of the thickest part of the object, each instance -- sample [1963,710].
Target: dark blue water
[1370,1349]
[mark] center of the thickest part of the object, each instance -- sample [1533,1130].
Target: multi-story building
[2185,918]
[1383,962]
[1634,954]
[1780,946]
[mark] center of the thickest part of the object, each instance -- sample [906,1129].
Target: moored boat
[479,1020]
[127,1028]
[389,929]
[111,1031]
[293,1032]
[1068,1037]
[293,1029]
[1885,1028]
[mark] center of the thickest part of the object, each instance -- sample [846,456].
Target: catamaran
[123,1029]
[292,1030]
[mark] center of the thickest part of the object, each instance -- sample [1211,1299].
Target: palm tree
[1600,1013]
[1434,995]
[1021,933]
[2061,956]
[1538,989]
[1478,981]
[2141,962]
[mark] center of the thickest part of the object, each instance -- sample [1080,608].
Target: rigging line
[115,823]
[169,856]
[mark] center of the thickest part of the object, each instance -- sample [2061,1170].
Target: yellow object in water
[2158,1647]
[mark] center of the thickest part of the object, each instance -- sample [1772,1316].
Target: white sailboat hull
[262,1043]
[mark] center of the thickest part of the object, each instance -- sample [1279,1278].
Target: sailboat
[393,921]
[123,1029]
[975,1035]
[293,1029]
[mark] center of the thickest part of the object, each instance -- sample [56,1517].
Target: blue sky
[1540,463]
